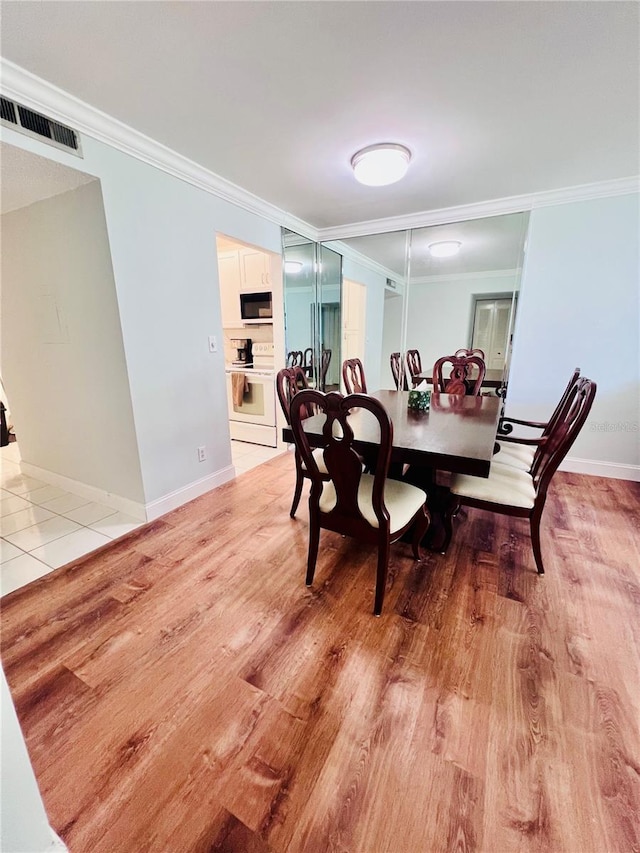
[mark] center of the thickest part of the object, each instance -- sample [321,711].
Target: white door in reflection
[491,330]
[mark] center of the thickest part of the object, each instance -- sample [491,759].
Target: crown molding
[368,263]
[37,94]
[484,209]
[19,84]
[466,276]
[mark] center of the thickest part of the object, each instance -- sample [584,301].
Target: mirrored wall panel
[446,287]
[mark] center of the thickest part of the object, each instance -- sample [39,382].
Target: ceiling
[494,99]
[26,178]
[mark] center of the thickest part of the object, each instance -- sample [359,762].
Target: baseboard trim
[92,493]
[616,470]
[173,500]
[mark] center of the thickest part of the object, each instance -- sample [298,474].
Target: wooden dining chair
[468,352]
[353,376]
[510,491]
[295,358]
[519,451]
[369,507]
[398,372]
[307,362]
[414,366]
[325,361]
[458,380]
[289,381]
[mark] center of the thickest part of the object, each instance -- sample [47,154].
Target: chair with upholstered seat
[514,492]
[414,366]
[289,381]
[459,379]
[367,506]
[519,451]
[398,371]
[353,376]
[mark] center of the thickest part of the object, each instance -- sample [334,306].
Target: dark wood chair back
[289,381]
[459,370]
[324,367]
[295,358]
[353,376]
[506,424]
[307,361]
[414,365]
[468,352]
[348,487]
[397,371]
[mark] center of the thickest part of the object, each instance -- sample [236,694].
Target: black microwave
[256,306]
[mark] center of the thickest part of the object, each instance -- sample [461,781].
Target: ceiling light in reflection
[445,248]
[293,266]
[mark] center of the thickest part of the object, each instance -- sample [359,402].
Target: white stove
[263,358]
[252,411]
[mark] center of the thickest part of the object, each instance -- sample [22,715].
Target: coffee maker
[242,347]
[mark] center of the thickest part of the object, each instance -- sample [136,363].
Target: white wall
[374,320]
[579,306]
[62,353]
[441,309]
[162,235]
[24,826]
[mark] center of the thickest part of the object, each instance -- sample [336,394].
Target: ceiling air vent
[35,124]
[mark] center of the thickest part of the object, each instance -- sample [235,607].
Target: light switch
[213,343]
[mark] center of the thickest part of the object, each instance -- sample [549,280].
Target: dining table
[456,434]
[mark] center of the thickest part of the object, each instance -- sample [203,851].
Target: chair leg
[297,493]
[420,528]
[447,516]
[535,540]
[381,576]
[314,541]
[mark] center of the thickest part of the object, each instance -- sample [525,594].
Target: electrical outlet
[202,454]
[213,343]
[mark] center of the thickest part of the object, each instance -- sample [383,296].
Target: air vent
[36,124]
[391,283]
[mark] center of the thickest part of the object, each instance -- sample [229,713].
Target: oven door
[258,404]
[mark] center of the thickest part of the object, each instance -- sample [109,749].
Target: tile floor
[43,527]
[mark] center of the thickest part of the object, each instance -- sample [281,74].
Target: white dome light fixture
[293,266]
[445,248]
[382,164]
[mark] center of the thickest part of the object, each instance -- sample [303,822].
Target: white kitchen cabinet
[255,270]
[229,274]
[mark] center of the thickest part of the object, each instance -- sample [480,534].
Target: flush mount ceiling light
[381,164]
[293,266]
[445,248]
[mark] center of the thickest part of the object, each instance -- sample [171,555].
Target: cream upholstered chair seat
[318,455]
[504,485]
[402,501]
[515,455]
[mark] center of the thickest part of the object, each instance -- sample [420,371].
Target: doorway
[491,323]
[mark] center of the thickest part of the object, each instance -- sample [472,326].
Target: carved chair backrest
[295,358]
[353,376]
[414,362]
[458,380]
[289,381]
[324,366]
[467,352]
[397,371]
[343,463]
[575,409]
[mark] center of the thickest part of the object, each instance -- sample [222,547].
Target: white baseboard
[617,470]
[165,504]
[57,844]
[92,493]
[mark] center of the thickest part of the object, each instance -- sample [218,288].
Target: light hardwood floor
[183,691]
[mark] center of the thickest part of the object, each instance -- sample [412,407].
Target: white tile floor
[43,527]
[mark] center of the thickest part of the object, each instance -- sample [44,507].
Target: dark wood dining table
[457,434]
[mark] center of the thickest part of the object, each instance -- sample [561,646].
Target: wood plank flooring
[184,691]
